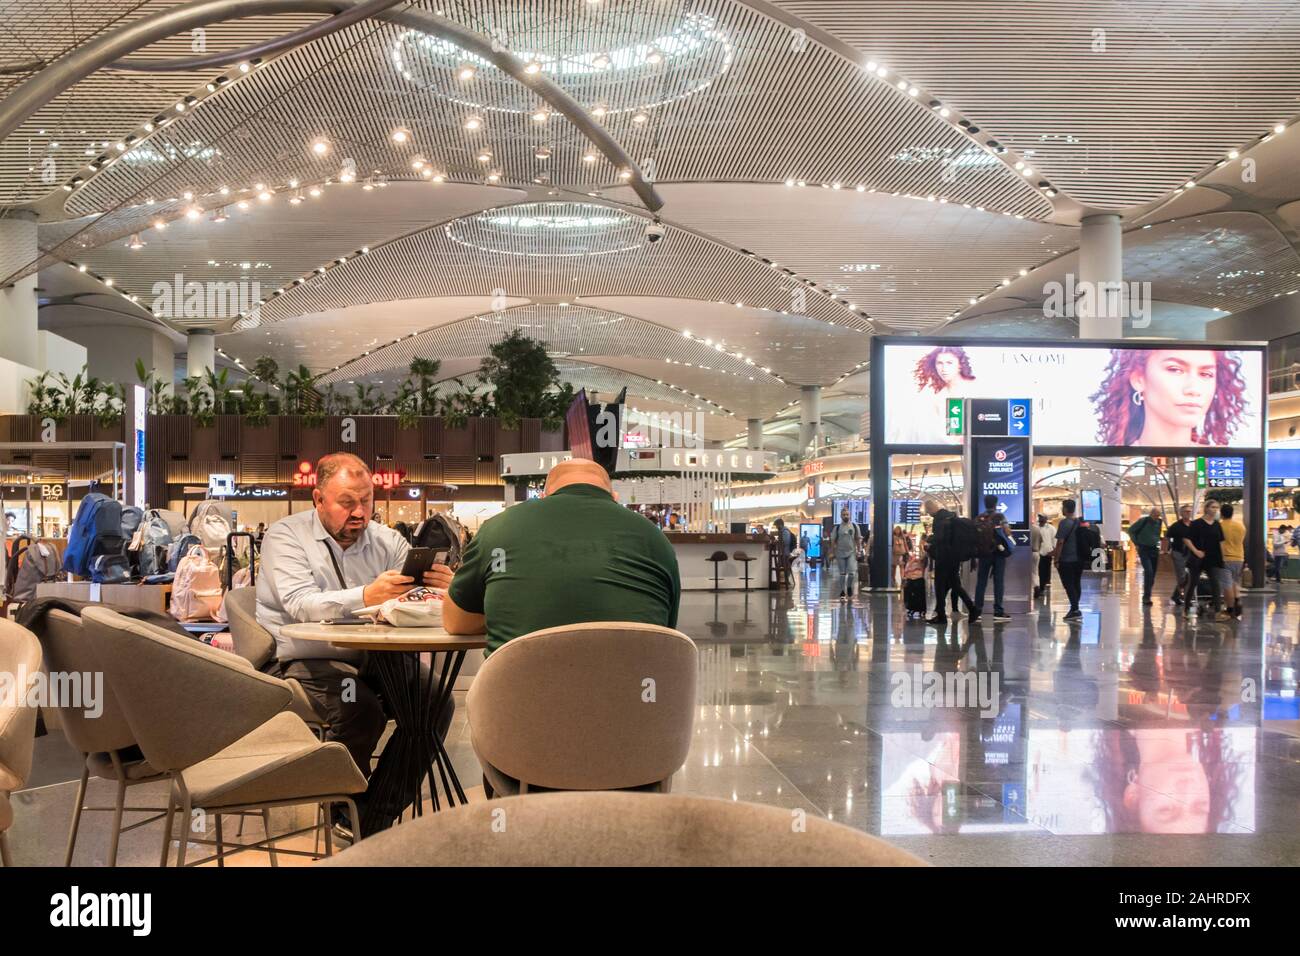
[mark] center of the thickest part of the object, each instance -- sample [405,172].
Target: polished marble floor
[1133,737]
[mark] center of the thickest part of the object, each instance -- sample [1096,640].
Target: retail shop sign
[305,477]
[814,467]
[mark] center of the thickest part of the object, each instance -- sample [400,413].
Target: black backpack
[441,532]
[965,539]
[1087,541]
[986,531]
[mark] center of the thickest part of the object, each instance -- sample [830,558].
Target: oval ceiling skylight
[550,229]
[638,63]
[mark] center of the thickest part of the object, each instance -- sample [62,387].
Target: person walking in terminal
[1234,560]
[1176,544]
[1205,542]
[1066,556]
[1145,535]
[1042,541]
[572,556]
[326,563]
[1281,538]
[947,576]
[785,545]
[846,541]
[994,548]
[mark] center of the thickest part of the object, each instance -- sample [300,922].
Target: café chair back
[101,735]
[622,829]
[221,732]
[255,644]
[20,655]
[595,706]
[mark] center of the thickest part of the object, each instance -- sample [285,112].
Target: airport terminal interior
[798,431]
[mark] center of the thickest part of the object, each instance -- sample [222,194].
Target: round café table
[414,749]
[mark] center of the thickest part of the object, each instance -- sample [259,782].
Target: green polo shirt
[576,555]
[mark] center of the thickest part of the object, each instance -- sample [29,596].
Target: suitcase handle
[230,556]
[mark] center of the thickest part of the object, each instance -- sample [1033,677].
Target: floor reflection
[1008,743]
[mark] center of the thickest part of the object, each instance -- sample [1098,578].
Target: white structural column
[755,437]
[1101,277]
[201,352]
[810,416]
[18,330]
[1101,316]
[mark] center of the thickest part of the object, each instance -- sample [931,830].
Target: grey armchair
[599,706]
[20,653]
[218,729]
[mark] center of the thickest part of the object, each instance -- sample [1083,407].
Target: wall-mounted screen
[1090,501]
[1082,395]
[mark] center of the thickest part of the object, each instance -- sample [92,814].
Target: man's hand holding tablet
[390,584]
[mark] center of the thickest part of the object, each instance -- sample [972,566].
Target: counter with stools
[714,562]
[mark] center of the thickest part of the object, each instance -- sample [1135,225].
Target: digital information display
[905,511]
[1090,502]
[1001,467]
[1080,396]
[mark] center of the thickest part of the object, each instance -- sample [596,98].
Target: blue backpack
[96,531]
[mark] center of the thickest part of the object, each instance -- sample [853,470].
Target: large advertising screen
[1082,395]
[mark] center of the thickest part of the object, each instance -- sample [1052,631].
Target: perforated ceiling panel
[1116,102]
[682,265]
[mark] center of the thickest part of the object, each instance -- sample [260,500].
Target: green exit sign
[1200,472]
[956,424]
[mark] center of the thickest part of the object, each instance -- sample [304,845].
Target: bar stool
[717,557]
[744,559]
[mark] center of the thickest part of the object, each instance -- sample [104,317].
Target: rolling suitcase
[914,598]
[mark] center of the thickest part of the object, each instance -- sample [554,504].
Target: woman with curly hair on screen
[1170,398]
[940,374]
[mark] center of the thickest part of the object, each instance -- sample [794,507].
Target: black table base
[414,751]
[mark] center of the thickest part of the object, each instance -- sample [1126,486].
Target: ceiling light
[599,112]
[180,107]
[401,135]
[193,213]
[882,72]
[439,178]
[320,147]
[600,61]
[1028,171]
[589,157]
[427,172]
[109,283]
[224,190]
[1280,128]
[912,91]
[1189,184]
[465,73]
[494,177]
[640,117]
[136,242]
[265,195]
[242,204]
[473,123]
[159,224]
[542,152]
[484,155]
[532,66]
[1233,154]
[243,67]
[625,174]
[541,115]
[655,56]
[314,192]
[347,175]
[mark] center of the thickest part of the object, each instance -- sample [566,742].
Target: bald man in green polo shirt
[572,556]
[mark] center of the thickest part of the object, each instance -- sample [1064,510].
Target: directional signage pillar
[998,460]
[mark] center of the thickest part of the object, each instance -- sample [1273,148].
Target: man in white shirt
[1042,539]
[326,563]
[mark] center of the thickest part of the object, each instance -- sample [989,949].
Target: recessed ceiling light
[320,146]
[465,73]
[401,135]
[473,122]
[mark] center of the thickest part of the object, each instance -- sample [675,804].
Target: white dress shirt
[1048,540]
[297,581]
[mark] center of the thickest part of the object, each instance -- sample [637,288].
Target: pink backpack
[196,589]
